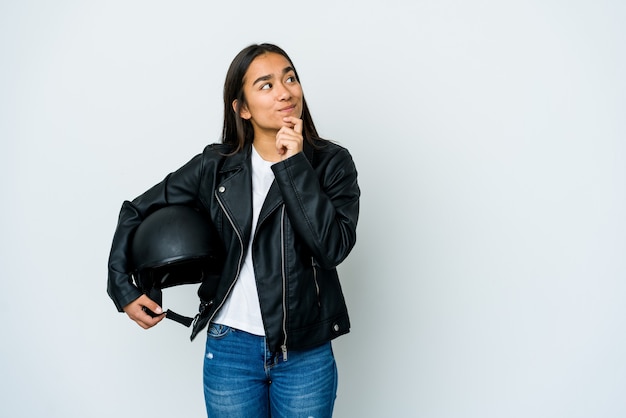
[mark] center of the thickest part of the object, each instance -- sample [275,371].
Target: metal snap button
[221,189]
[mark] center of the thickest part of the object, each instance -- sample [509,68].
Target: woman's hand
[136,311]
[289,137]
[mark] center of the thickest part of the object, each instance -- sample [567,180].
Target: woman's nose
[283,92]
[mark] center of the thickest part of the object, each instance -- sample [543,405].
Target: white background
[489,275]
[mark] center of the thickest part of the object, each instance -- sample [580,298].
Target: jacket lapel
[235,192]
[272,201]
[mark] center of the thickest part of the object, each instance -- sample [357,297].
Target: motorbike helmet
[176,245]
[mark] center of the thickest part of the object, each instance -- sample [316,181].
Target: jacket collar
[235,162]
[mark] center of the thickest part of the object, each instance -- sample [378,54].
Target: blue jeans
[242,378]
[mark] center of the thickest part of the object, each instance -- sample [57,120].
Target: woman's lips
[288,109]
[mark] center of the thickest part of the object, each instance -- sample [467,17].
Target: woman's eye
[291,79]
[266,86]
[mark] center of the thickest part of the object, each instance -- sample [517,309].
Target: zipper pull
[284,350]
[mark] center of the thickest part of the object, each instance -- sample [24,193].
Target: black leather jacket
[307,226]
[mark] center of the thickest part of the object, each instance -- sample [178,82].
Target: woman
[285,203]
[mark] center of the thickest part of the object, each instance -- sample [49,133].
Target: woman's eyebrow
[263,78]
[270,76]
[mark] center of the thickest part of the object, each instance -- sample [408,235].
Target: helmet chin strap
[157,296]
[184,320]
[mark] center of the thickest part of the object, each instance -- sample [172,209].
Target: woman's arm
[180,187]
[322,205]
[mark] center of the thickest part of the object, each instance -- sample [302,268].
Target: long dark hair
[238,132]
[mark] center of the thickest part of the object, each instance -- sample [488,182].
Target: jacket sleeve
[322,206]
[179,187]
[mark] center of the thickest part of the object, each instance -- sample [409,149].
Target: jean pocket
[219,330]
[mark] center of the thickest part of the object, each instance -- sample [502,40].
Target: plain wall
[489,275]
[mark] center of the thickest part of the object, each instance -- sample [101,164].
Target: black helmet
[176,245]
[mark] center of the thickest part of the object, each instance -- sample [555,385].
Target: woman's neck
[266,147]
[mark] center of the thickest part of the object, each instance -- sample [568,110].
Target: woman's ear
[243,112]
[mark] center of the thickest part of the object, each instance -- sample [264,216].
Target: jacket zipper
[283,347]
[317,286]
[284,277]
[240,257]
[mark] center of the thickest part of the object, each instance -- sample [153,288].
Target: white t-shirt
[241,310]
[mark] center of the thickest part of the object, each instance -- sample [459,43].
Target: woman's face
[271,93]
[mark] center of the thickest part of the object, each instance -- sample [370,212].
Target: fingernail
[158,310]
